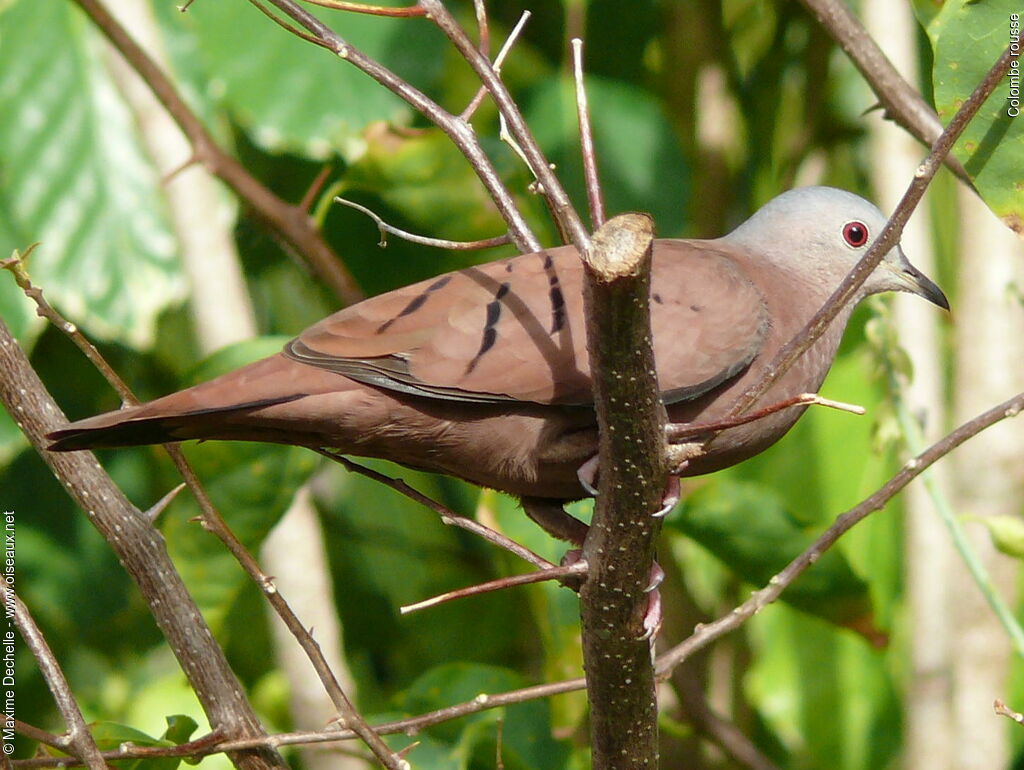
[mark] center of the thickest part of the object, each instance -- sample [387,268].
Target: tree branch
[141,550]
[561,207]
[214,522]
[620,545]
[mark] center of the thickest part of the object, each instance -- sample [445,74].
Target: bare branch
[686,431]
[561,207]
[371,10]
[498,60]
[587,138]
[1004,711]
[214,522]
[459,131]
[423,240]
[619,547]
[80,741]
[555,573]
[16,266]
[141,550]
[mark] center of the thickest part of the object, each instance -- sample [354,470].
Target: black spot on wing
[656,297]
[416,302]
[557,307]
[490,335]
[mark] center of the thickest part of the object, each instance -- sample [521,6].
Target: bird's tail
[138,425]
[218,409]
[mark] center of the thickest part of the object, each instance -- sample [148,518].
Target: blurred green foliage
[702,111]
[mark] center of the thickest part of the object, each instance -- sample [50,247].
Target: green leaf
[746,526]
[76,179]
[110,735]
[180,728]
[1006,531]
[292,95]
[967,38]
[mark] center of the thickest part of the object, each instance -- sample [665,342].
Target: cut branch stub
[619,548]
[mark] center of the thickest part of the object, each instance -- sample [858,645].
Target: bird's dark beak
[923,286]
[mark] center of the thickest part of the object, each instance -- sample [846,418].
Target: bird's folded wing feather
[513,330]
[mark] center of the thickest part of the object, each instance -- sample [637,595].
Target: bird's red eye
[855,233]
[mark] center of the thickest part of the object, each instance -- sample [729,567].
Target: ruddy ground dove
[483,373]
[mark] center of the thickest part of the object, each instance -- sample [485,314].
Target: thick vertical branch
[141,550]
[620,546]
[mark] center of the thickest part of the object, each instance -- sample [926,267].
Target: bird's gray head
[823,232]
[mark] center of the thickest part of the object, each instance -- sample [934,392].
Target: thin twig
[309,196]
[448,516]
[207,744]
[289,27]
[80,741]
[16,266]
[887,239]
[59,742]
[686,431]
[371,10]
[405,235]
[590,174]
[214,522]
[1004,711]
[474,103]
[141,550]
[555,573]
[706,633]
[914,441]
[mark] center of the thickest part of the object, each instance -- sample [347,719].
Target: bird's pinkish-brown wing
[513,330]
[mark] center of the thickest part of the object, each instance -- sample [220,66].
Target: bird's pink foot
[587,474]
[653,615]
[669,498]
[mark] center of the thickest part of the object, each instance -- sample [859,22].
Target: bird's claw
[656,578]
[653,615]
[669,498]
[587,475]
